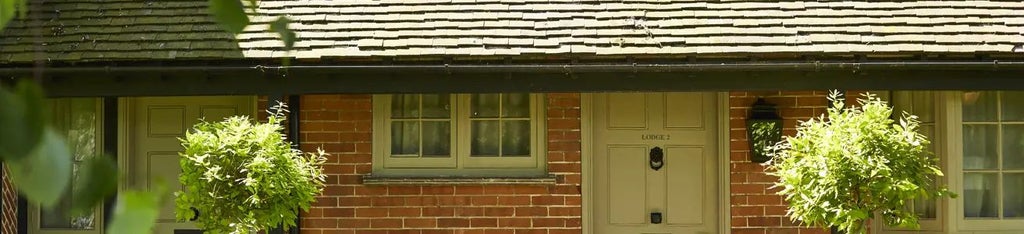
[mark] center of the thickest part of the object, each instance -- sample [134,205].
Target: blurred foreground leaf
[44,175]
[22,121]
[230,14]
[96,180]
[280,26]
[136,211]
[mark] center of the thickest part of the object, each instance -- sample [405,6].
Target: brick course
[341,124]
[754,206]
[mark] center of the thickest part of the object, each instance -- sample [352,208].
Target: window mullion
[419,122]
[463,138]
[999,154]
[501,125]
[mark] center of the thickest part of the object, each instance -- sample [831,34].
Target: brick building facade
[561,52]
[341,124]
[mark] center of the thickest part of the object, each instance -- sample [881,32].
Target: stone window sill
[385,180]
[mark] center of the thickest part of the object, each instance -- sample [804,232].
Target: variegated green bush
[243,177]
[854,165]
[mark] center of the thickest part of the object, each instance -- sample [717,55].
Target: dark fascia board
[488,78]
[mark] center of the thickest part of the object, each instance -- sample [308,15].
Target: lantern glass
[763,133]
[764,129]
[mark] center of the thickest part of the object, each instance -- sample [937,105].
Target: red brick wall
[755,208]
[9,221]
[341,124]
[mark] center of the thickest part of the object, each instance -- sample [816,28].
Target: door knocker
[196,212]
[657,158]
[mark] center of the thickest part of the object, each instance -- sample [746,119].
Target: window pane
[76,119]
[485,105]
[979,106]
[1013,146]
[485,134]
[1013,106]
[924,106]
[516,105]
[928,131]
[515,138]
[405,137]
[436,139]
[436,106]
[405,106]
[1013,195]
[980,146]
[980,196]
[924,208]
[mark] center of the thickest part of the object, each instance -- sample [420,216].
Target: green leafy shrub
[858,162]
[243,177]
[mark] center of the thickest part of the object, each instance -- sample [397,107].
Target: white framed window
[987,129]
[80,121]
[459,135]
[979,138]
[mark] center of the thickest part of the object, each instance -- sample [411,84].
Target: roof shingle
[133,29]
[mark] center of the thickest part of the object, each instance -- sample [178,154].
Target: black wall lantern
[764,128]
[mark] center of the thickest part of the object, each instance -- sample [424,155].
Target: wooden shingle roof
[161,29]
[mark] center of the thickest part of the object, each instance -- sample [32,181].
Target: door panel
[685,168]
[627,189]
[155,124]
[629,114]
[684,110]
[632,196]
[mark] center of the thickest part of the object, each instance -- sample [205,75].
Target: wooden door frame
[586,147]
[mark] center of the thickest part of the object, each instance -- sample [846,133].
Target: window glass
[926,208]
[1013,106]
[490,134]
[515,138]
[486,138]
[78,120]
[921,104]
[979,106]
[1013,146]
[421,125]
[500,125]
[993,143]
[980,196]
[1013,199]
[980,146]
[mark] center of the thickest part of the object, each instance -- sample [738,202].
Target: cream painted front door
[627,190]
[156,123]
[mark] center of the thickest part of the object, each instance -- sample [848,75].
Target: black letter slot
[655,217]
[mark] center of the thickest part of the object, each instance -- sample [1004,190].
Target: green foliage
[9,8]
[280,26]
[43,175]
[136,211]
[842,170]
[39,162]
[23,121]
[243,177]
[97,179]
[230,14]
